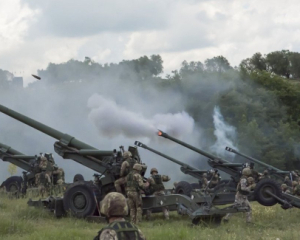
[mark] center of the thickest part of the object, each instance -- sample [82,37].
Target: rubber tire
[183,188]
[13,181]
[262,197]
[85,189]
[78,177]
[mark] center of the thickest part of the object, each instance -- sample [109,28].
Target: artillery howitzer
[267,192]
[15,183]
[82,197]
[30,165]
[184,187]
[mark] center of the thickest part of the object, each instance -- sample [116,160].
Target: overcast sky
[34,32]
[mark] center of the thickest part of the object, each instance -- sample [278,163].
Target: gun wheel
[184,188]
[261,189]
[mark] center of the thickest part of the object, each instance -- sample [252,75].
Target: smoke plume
[113,120]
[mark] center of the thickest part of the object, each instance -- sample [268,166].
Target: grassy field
[17,221]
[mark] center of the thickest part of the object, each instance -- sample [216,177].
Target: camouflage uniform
[296,188]
[251,183]
[42,179]
[285,189]
[114,207]
[264,175]
[134,185]
[214,179]
[287,181]
[204,181]
[126,168]
[157,187]
[241,196]
[59,172]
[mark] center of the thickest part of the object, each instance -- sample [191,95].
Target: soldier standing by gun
[241,198]
[214,179]
[126,168]
[42,178]
[157,187]
[134,186]
[114,207]
[60,177]
[285,188]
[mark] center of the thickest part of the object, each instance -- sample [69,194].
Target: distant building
[17,82]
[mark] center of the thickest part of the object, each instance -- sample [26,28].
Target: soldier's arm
[151,181]
[123,168]
[165,178]
[139,180]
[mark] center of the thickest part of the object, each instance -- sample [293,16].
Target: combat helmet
[137,167]
[153,170]
[250,179]
[246,171]
[204,175]
[283,186]
[294,183]
[114,205]
[127,154]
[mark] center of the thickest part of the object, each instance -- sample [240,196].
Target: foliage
[12,169]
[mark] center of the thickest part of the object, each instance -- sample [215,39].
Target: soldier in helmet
[60,177]
[214,178]
[114,207]
[157,187]
[126,168]
[287,181]
[241,198]
[204,181]
[296,188]
[134,186]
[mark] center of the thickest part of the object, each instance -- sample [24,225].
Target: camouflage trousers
[43,185]
[164,209]
[120,182]
[135,206]
[241,201]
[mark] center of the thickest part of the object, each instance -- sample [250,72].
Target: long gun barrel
[185,168]
[13,156]
[233,169]
[67,139]
[275,170]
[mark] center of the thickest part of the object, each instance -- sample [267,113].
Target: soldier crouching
[157,187]
[114,207]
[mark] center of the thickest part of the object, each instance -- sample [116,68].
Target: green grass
[18,221]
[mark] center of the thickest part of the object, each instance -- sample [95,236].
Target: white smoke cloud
[224,133]
[114,120]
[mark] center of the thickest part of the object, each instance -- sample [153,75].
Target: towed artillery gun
[274,172]
[267,191]
[82,197]
[30,165]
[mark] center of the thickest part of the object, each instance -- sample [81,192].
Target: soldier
[42,179]
[204,181]
[241,195]
[214,179]
[251,183]
[126,168]
[296,188]
[287,181]
[157,187]
[264,175]
[134,186]
[114,207]
[285,189]
[295,176]
[59,172]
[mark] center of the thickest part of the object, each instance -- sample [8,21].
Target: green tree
[278,63]
[217,64]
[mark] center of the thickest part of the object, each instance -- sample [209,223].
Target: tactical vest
[131,183]
[158,186]
[131,162]
[125,231]
[239,189]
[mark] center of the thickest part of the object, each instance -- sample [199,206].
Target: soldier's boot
[148,214]
[166,213]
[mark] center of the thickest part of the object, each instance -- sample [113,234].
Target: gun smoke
[114,120]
